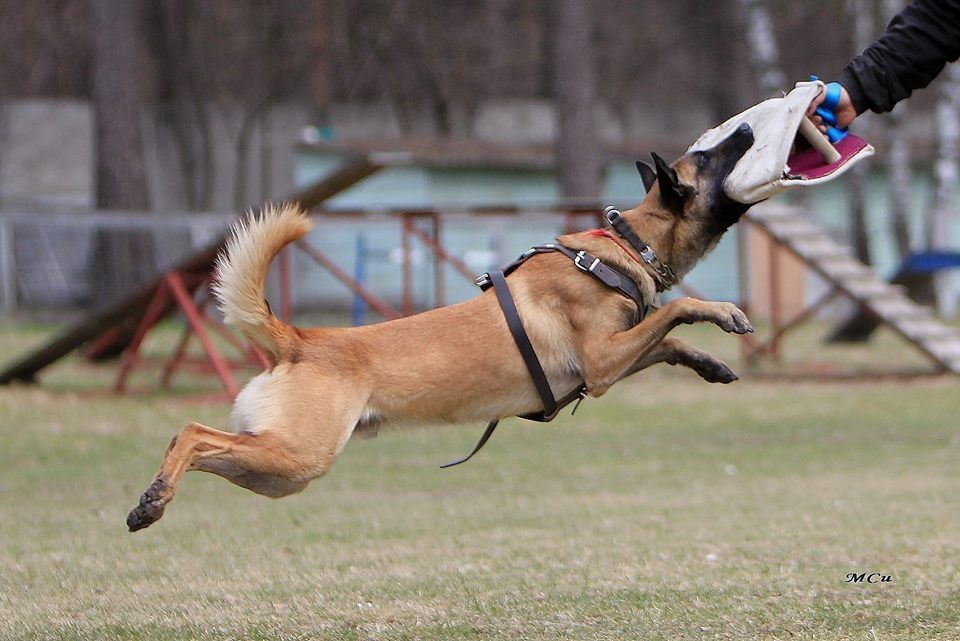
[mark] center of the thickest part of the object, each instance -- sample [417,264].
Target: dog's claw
[721,374]
[733,320]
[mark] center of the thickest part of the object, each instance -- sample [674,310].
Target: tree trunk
[184,112]
[121,260]
[572,69]
[860,13]
[898,174]
[898,164]
[120,177]
[764,53]
[946,173]
[721,30]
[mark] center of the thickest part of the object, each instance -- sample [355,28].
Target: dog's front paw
[710,369]
[730,318]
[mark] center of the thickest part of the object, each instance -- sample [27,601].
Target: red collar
[604,233]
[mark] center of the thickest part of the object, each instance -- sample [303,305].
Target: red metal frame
[381,306]
[176,290]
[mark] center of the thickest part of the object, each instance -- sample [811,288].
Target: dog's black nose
[741,139]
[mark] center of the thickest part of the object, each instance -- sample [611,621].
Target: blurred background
[433,140]
[132,133]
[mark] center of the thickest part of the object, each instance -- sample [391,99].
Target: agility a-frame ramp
[792,229]
[121,327]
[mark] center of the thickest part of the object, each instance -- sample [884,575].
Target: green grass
[669,509]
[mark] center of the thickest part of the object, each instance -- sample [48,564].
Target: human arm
[917,44]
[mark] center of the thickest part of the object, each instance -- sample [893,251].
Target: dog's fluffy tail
[242,268]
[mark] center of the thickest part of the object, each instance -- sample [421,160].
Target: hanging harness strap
[487,433]
[529,355]
[497,279]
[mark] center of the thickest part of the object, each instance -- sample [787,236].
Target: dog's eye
[701,160]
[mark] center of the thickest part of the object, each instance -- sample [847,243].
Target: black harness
[585,262]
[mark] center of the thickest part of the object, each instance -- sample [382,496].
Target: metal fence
[46,258]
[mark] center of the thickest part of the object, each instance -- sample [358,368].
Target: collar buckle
[664,275]
[583,257]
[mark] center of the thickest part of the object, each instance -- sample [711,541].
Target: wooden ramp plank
[834,262]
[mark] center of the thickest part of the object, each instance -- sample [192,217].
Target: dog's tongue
[768,167]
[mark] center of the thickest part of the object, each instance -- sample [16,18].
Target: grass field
[669,509]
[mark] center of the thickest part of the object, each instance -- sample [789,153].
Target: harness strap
[587,263]
[497,279]
[612,278]
[577,395]
[520,337]
[487,433]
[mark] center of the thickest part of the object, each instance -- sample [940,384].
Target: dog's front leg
[674,351]
[607,356]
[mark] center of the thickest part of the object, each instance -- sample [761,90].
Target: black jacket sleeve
[918,42]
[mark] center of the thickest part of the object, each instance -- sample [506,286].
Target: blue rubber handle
[828,111]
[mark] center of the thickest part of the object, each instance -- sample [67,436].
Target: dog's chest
[553,339]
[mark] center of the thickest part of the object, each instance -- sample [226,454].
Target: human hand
[844,112]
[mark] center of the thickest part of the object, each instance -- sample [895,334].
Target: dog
[458,363]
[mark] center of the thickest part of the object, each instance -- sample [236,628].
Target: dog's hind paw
[150,508]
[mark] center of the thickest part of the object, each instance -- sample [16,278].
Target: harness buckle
[482,281]
[583,256]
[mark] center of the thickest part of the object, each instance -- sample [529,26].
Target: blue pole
[360,275]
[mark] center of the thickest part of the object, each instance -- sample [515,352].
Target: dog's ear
[672,192]
[647,174]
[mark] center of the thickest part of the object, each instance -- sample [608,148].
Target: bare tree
[764,53]
[121,260]
[181,107]
[946,174]
[718,30]
[121,180]
[860,13]
[571,35]
[898,164]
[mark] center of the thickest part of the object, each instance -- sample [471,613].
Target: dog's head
[686,210]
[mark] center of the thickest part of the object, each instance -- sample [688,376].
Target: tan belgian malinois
[458,363]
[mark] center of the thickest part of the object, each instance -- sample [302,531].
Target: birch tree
[946,174]
[860,14]
[764,53]
[898,164]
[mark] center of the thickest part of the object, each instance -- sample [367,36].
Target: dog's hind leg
[246,459]
[273,462]
[674,351]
